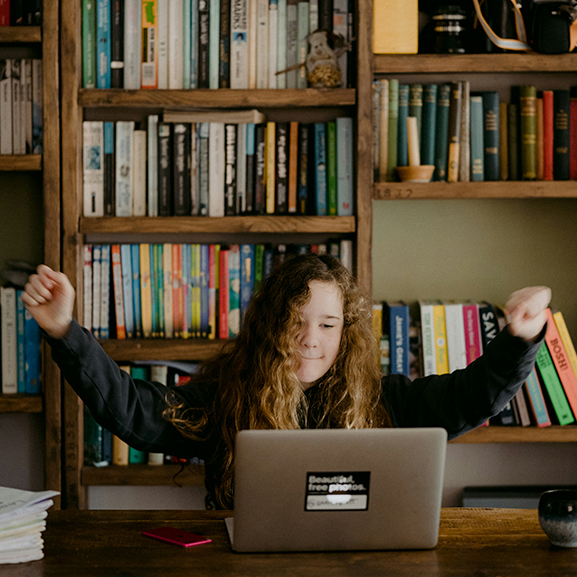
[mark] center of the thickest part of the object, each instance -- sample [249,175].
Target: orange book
[561,361]
[177,289]
[293,166]
[118,294]
[145,290]
[224,296]
[540,140]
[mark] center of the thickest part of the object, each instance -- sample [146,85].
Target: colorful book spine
[96,286]
[566,339]
[224,45]
[168,293]
[548,123]
[234,274]
[442,132]
[477,154]
[224,295]
[127,287]
[293,157]
[396,323]
[440,338]
[105,292]
[137,303]
[503,141]
[536,400]
[303,168]
[320,172]
[393,129]
[250,166]
[204,290]
[491,135]
[331,131]
[270,167]
[145,290]
[455,328]
[454,132]
[428,124]
[149,66]
[177,279]
[247,276]
[473,339]
[402,135]
[103,44]
[117,289]
[561,134]
[528,131]
[465,134]
[281,167]
[89,78]
[540,138]
[345,166]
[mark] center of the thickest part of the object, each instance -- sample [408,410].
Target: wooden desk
[472,543]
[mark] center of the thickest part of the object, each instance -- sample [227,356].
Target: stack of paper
[22,520]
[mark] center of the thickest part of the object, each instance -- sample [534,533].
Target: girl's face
[320,337]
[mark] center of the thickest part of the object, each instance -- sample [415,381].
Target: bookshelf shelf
[20,162]
[143,475]
[221,98]
[456,190]
[20,34]
[468,63]
[228,224]
[553,434]
[162,349]
[21,404]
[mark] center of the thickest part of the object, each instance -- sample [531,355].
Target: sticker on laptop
[337,491]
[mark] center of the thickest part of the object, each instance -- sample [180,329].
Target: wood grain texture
[21,403]
[494,434]
[23,34]
[472,542]
[162,349]
[167,475]
[20,161]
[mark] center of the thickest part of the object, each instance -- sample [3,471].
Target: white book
[96,288]
[313,15]
[428,338]
[9,346]
[455,327]
[168,306]
[213,43]
[252,42]
[281,44]
[272,42]
[194,184]
[124,139]
[345,166]
[262,44]
[346,252]
[241,169]
[87,287]
[239,58]
[16,108]
[127,289]
[340,26]
[152,187]
[216,165]
[302,42]
[93,168]
[132,43]
[104,290]
[175,45]
[291,42]
[37,106]
[6,106]
[27,114]
[162,27]
[139,173]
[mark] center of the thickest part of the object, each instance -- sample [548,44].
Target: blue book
[33,355]
[103,44]
[476,136]
[127,287]
[105,291]
[20,352]
[153,294]
[396,322]
[187,39]
[247,275]
[106,447]
[204,274]
[186,291]
[320,169]
[345,166]
[135,252]
[234,290]
[193,43]
[491,134]
[159,286]
[402,134]
[429,124]
[268,262]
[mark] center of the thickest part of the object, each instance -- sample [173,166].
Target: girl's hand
[49,298]
[526,311]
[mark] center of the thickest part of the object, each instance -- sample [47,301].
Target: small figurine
[322,66]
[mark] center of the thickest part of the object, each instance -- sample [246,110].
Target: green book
[442,132]
[159,287]
[528,131]
[136,457]
[428,124]
[393,130]
[402,134]
[332,168]
[416,105]
[88,44]
[553,386]
[258,266]
[477,161]
[513,145]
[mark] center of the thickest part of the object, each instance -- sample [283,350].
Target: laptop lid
[338,489]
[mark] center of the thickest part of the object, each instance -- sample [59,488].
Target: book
[536,400]
[247,277]
[465,134]
[561,134]
[139,146]
[164,170]
[293,165]
[124,173]
[203,43]
[528,131]
[20,351]
[177,290]
[270,167]
[105,291]
[213,43]
[145,290]
[382,140]
[331,132]
[241,168]
[32,355]
[109,174]
[548,120]
[428,124]
[291,42]
[442,132]
[491,135]
[320,169]
[176,44]
[224,45]
[149,69]
[230,145]
[93,168]
[96,286]
[168,291]
[396,323]
[132,43]
[191,56]
[37,105]
[234,276]
[513,144]
[87,286]
[416,105]
[6,106]
[454,132]
[304,169]
[273,34]
[398,29]
[540,140]
[260,169]
[473,338]
[89,8]
[303,31]
[340,27]
[216,169]
[282,166]
[117,290]
[17,141]
[103,44]
[8,340]
[393,129]
[181,169]
[152,165]
[137,304]
[223,294]
[440,336]
[262,38]
[477,147]
[503,141]
[26,92]
[117,44]
[455,329]
[239,42]
[345,166]
[428,338]
[402,135]
[127,288]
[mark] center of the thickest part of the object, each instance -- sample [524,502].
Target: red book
[213,257]
[573,134]
[4,12]
[473,345]
[223,296]
[118,294]
[561,361]
[177,289]
[547,135]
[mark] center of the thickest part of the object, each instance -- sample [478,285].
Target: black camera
[550,25]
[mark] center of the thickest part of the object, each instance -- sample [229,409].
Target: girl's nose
[308,338]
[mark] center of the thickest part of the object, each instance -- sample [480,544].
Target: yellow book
[566,339]
[378,327]
[270,166]
[395,26]
[145,291]
[149,55]
[168,296]
[440,334]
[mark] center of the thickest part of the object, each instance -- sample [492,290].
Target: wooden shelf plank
[143,475]
[12,34]
[20,162]
[455,190]
[494,434]
[21,403]
[469,63]
[162,349]
[228,224]
[221,98]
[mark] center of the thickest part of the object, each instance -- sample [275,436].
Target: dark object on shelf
[17,272]
[448,23]
[550,27]
[558,517]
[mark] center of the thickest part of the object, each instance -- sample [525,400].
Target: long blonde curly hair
[255,375]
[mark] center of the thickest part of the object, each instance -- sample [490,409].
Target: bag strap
[506,43]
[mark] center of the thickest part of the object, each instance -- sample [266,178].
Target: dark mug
[558,516]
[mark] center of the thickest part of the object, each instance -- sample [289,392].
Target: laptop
[338,489]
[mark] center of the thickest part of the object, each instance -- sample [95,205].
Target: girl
[305,358]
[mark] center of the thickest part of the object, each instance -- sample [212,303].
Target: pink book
[473,343]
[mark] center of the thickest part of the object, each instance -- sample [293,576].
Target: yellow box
[395,26]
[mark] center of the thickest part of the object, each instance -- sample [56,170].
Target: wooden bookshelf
[494,434]
[20,34]
[157,475]
[21,403]
[29,162]
[162,349]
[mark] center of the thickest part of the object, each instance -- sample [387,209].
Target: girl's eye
[328,326]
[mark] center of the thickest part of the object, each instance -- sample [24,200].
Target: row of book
[441,337]
[187,44]
[21,106]
[21,345]
[179,290]
[102,448]
[185,166]
[20,12]
[474,136]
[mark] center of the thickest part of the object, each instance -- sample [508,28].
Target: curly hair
[255,375]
